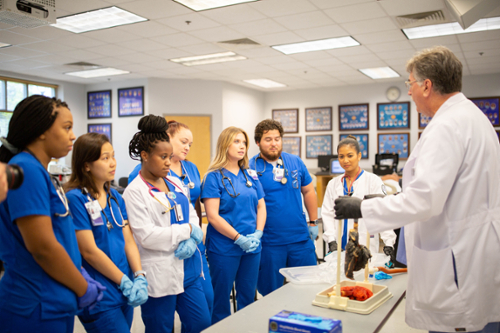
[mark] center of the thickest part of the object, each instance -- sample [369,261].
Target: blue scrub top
[286,222]
[134,173]
[193,264]
[111,242]
[239,212]
[191,172]
[25,284]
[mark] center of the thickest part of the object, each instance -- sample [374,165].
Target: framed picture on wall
[319,119]
[131,102]
[393,115]
[398,143]
[363,143]
[289,119]
[423,121]
[99,104]
[489,106]
[318,145]
[353,117]
[291,145]
[101,129]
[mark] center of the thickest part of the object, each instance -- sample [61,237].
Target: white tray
[380,295]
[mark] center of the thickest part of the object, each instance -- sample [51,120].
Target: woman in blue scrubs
[106,243]
[181,139]
[166,228]
[233,198]
[44,285]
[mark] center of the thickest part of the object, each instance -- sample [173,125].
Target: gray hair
[439,65]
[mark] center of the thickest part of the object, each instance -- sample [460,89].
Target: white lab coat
[450,206]
[157,238]
[367,183]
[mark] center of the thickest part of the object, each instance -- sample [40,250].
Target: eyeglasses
[409,83]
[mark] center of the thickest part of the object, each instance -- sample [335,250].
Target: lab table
[298,297]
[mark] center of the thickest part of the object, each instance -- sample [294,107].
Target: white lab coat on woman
[450,205]
[367,183]
[156,237]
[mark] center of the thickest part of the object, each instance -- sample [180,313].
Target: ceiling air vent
[83,64]
[420,19]
[238,44]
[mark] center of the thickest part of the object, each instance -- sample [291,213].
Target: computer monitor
[324,162]
[335,167]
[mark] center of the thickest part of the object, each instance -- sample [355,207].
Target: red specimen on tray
[356,293]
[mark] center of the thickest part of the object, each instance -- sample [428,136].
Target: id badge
[178,213]
[94,210]
[253,174]
[278,174]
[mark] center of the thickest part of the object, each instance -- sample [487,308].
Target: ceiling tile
[359,58]
[278,38]
[110,62]
[290,65]
[163,64]
[233,14]
[478,36]
[381,37]
[136,67]
[218,34]
[74,7]
[334,70]
[43,33]
[256,28]
[318,63]
[305,20]
[204,48]
[395,54]
[155,9]
[392,46]
[354,50]
[423,43]
[79,41]
[259,52]
[110,50]
[179,39]
[476,53]
[481,46]
[54,59]
[48,47]
[81,55]
[197,22]
[142,44]
[310,55]
[21,52]
[323,4]
[328,31]
[147,29]
[357,12]
[5,57]
[8,37]
[277,8]
[171,53]
[111,35]
[367,64]
[29,63]
[281,59]
[367,26]
[406,7]
[138,57]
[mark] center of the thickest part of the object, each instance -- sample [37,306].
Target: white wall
[243,108]
[473,86]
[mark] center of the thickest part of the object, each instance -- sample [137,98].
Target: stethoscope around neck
[248,183]
[110,196]
[190,184]
[280,162]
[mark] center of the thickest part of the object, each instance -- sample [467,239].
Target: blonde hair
[226,138]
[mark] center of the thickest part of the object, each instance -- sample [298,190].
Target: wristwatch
[136,274]
[315,222]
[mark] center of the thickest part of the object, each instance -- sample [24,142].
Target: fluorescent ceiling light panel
[445,29]
[379,72]
[208,59]
[317,45]
[4,45]
[108,71]
[198,5]
[265,83]
[97,19]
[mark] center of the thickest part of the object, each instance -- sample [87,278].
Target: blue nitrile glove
[196,233]
[185,249]
[247,244]
[139,293]
[255,244]
[256,235]
[313,232]
[126,285]
[94,293]
[382,275]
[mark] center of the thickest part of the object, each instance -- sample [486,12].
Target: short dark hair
[349,141]
[266,126]
[152,129]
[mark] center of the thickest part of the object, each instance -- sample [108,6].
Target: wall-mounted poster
[319,119]
[363,143]
[318,145]
[353,117]
[288,118]
[101,129]
[489,105]
[4,123]
[99,104]
[398,143]
[131,102]
[423,121]
[393,115]
[291,145]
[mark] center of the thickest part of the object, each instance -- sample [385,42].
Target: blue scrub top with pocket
[191,173]
[111,242]
[239,212]
[193,264]
[25,284]
[286,221]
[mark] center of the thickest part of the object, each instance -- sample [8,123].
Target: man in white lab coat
[450,205]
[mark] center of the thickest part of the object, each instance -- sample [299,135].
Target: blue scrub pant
[490,328]
[158,312]
[117,320]
[276,257]
[13,323]
[243,271]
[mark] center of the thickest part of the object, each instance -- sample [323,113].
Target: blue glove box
[293,322]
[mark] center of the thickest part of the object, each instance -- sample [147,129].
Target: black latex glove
[332,246]
[371,196]
[347,208]
[388,250]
